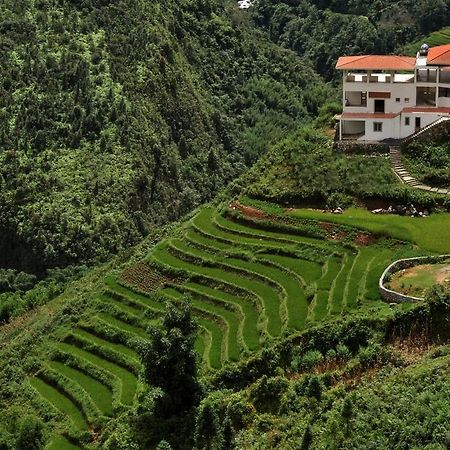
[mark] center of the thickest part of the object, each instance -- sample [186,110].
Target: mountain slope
[119,115]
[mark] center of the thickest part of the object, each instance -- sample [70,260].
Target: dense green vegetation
[20,291]
[323,30]
[116,116]
[247,324]
[429,162]
[249,281]
[440,37]
[303,169]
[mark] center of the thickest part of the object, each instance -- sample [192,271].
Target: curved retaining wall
[401,264]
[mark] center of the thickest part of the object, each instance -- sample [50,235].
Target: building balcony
[379,78]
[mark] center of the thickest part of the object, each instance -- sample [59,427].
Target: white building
[392,97]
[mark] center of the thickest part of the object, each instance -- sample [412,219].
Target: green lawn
[431,233]
[416,280]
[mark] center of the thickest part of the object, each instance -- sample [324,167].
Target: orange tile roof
[376,62]
[353,116]
[439,56]
[426,110]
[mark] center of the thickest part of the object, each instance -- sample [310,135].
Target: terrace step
[60,402]
[128,380]
[100,394]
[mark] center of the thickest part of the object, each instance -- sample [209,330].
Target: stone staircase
[396,160]
[395,155]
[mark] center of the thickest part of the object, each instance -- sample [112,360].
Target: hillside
[186,261]
[119,116]
[255,273]
[324,30]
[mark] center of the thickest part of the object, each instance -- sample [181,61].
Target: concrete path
[397,164]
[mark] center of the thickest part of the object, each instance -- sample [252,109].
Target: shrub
[31,435]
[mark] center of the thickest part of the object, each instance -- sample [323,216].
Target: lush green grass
[337,297]
[132,311]
[99,393]
[332,268]
[127,379]
[261,291]
[238,267]
[250,312]
[291,288]
[58,442]
[217,345]
[431,233]
[357,276]
[130,353]
[276,236]
[308,271]
[222,316]
[60,402]
[121,325]
[320,305]
[440,37]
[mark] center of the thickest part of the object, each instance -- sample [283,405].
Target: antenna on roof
[424,50]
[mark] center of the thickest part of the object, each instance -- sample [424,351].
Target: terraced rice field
[248,283]
[440,37]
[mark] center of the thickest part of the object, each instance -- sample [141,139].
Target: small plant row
[143,276]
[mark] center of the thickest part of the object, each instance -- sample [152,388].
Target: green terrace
[249,281]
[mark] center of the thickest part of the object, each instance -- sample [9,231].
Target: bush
[31,434]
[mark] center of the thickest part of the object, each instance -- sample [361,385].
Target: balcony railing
[380,78]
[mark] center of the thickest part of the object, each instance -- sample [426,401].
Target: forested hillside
[118,115]
[323,30]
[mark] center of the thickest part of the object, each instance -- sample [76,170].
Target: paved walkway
[397,164]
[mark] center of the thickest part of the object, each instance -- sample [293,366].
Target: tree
[307,438]
[30,434]
[347,413]
[170,362]
[208,432]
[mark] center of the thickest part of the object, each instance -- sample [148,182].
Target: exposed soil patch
[443,275]
[248,211]
[363,239]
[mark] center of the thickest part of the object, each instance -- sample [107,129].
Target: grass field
[249,282]
[416,280]
[431,233]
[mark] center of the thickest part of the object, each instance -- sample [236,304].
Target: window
[407,121]
[397,99]
[406,100]
[377,127]
[444,92]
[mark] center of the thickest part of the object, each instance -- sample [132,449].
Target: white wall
[444,102]
[397,90]
[390,129]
